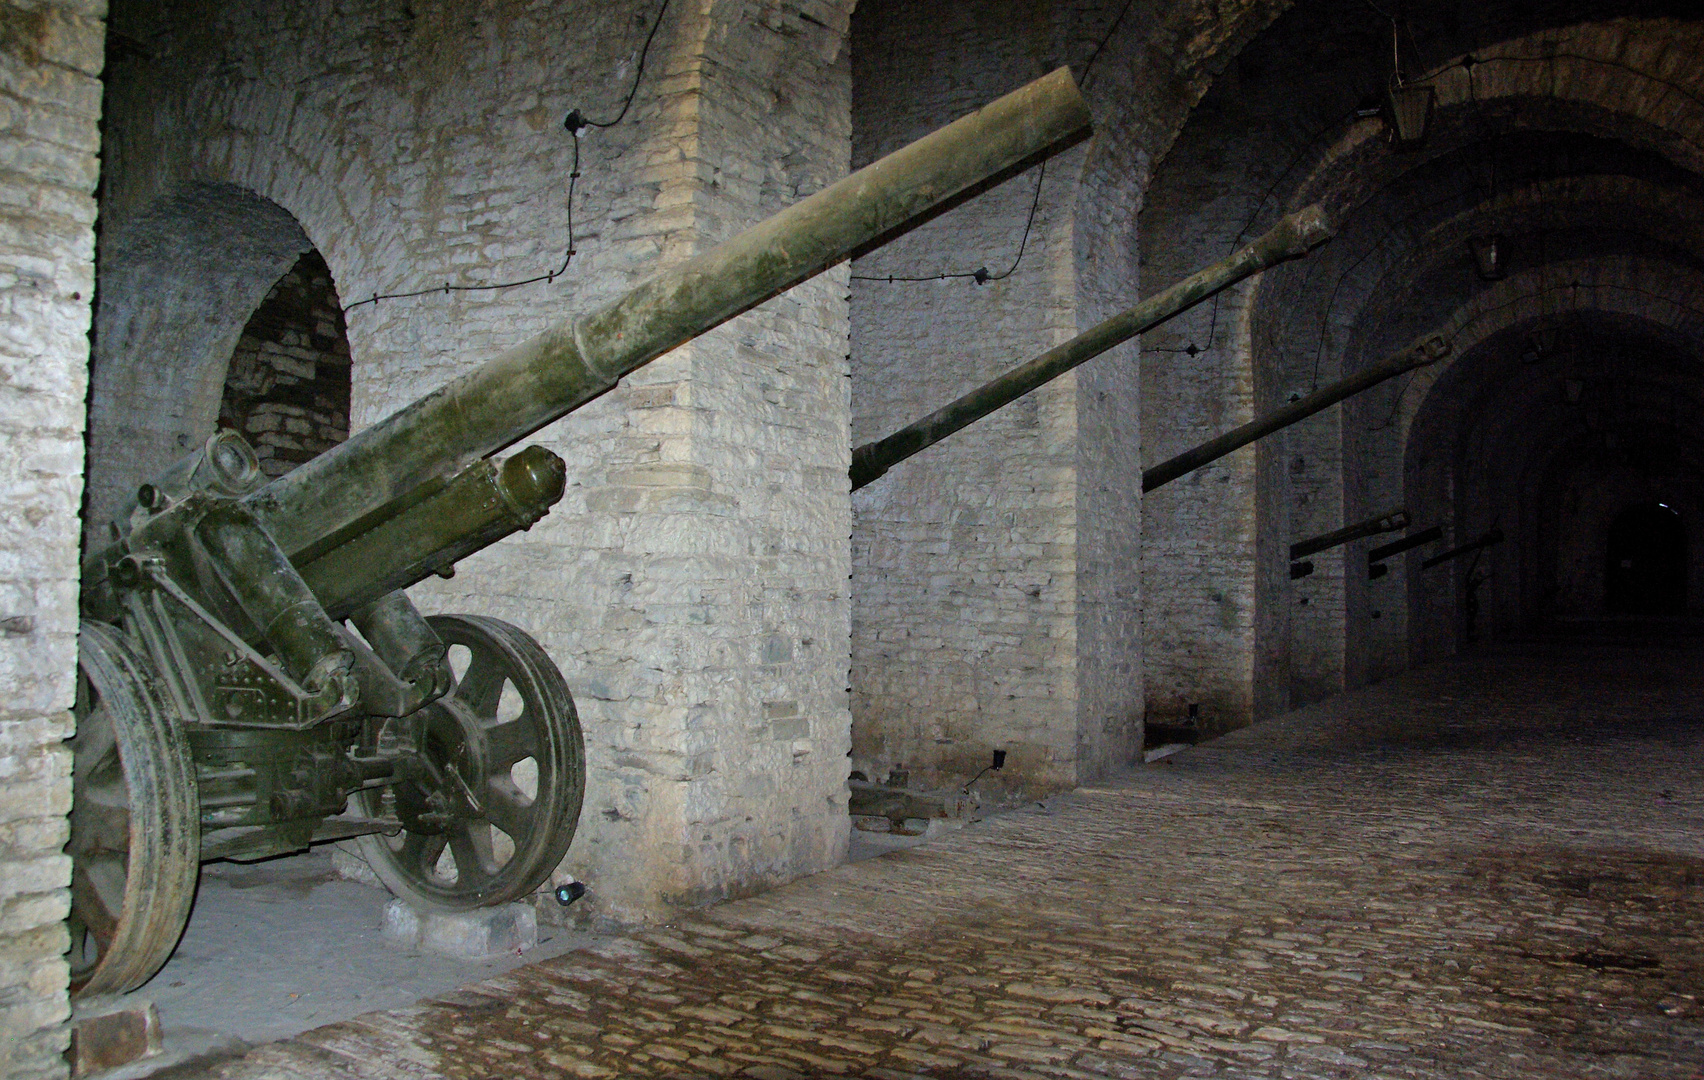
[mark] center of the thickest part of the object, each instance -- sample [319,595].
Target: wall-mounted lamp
[1573,388]
[1410,111]
[1491,256]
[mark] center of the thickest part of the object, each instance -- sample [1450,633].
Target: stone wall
[998,597]
[50,98]
[692,583]
[287,384]
[965,557]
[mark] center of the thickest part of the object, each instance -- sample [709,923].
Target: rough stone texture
[692,584]
[287,384]
[965,557]
[50,98]
[1556,134]
[107,1032]
[178,283]
[997,591]
[1483,869]
[465,935]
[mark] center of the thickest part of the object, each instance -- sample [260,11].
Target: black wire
[1111,30]
[550,276]
[1213,324]
[637,75]
[575,123]
[981,274]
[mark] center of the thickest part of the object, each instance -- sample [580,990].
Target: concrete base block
[466,935]
[346,859]
[107,1032]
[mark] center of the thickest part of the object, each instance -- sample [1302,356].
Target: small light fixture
[1573,388]
[1491,256]
[1410,112]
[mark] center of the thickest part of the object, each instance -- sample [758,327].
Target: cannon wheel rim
[545,731]
[135,821]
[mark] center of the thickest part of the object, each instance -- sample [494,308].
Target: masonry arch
[1545,428]
[1573,130]
[175,289]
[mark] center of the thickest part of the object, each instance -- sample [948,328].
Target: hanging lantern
[1410,110]
[1491,256]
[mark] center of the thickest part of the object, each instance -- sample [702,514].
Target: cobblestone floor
[1491,868]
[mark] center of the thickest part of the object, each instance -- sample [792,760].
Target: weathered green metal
[1382,523]
[478,507]
[1490,539]
[269,632]
[344,490]
[1294,235]
[1428,350]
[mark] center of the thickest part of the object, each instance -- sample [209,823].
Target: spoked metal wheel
[493,805]
[135,824]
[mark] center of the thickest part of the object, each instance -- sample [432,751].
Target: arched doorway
[177,286]
[1645,562]
[287,385]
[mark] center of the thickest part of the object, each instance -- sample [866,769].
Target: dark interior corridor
[1645,565]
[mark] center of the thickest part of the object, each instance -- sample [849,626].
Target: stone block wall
[692,582]
[50,101]
[965,557]
[998,596]
[287,384]
[1198,374]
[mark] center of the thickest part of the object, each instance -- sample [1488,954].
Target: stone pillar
[50,97]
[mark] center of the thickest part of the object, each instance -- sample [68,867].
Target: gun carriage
[253,676]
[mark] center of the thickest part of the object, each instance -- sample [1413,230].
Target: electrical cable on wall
[981,275]
[575,123]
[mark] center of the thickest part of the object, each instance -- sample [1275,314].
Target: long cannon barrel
[1422,353]
[1383,523]
[1376,567]
[1490,539]
[1293,236]
[371,477]
[1407,543]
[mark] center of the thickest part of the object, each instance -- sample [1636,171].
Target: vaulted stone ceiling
[1573,134]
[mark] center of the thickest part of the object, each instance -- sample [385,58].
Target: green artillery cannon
[1427,350]
[1291,238]
[1373,526]
[253,679]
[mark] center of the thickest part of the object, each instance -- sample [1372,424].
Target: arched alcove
[287,384]
[176,288]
